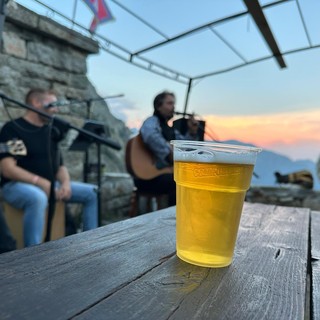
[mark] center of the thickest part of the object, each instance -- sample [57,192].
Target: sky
[260,103]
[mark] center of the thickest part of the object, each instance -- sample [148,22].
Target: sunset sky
[277,109]
[293,134]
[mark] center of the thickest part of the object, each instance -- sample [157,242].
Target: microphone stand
[86,166]
[65,126]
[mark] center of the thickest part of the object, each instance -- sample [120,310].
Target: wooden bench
[129,270]
[14,219]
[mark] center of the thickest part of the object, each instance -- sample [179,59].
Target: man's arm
[153,138]
[193,126]
[64,192]
[11,171]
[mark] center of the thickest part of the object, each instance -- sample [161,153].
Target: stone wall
[38,52]
[287,195]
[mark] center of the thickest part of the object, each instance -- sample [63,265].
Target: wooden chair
[14,219]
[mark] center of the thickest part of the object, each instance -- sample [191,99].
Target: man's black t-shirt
[43,157]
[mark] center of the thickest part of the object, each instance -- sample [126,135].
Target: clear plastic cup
[212,180]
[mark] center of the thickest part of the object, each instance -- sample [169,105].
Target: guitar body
[140,161]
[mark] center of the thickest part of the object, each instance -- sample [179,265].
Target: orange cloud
[267,130]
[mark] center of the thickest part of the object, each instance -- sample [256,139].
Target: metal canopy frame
[261,21]
[254,9]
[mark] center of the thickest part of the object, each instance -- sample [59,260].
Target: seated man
[156,134]
[26,180]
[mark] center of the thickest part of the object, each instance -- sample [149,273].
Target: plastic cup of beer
[212,180]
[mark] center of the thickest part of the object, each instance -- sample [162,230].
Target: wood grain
[267,279]
[58,279]
[129,270]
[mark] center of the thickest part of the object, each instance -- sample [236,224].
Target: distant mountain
[268,162]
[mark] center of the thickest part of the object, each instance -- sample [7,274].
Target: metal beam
[258,16]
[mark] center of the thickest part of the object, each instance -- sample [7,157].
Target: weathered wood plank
[267,279]
[59,279]
[315,265]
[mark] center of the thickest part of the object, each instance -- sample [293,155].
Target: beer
[211,187]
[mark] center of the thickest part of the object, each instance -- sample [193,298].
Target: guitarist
[157,134]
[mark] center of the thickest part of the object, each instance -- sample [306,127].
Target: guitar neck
[3,148]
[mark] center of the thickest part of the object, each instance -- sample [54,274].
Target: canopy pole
[74,12]
[187,96]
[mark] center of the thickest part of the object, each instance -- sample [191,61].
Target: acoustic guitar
[140,161]
[14,147]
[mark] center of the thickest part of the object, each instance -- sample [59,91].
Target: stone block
[36,82]
[285,196]
[8,75]
[312,201]
[73,38]
[41,53]
[13,45]
[116,194]
[34,70]
[50,54]
[79,81]
[21,15]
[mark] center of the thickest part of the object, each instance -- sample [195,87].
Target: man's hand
[64,192]
[193,126]
[44,184]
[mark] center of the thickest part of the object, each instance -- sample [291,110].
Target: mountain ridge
[269,162]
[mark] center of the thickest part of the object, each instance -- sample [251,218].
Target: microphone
[184,114]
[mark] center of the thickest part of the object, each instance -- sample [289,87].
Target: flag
[101,12]
[94,24]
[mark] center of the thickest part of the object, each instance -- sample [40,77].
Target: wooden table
[129,270]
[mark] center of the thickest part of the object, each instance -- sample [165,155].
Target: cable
[211,134]
[52,198]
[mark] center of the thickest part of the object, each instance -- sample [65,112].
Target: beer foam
[222,154]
